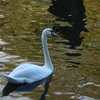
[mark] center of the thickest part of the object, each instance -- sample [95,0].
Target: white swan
[27,73]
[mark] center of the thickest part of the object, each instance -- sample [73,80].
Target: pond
[77,66]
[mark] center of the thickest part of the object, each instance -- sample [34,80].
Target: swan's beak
[54,34]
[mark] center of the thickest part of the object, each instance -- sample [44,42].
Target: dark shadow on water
[73,12]
[73,54]
[77,63]
[28,87]
[72,20]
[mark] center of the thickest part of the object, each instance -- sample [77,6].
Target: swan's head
[48,31]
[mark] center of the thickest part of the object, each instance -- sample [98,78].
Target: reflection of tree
[60,7]
[71,11]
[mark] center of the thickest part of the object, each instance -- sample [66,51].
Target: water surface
[77,69]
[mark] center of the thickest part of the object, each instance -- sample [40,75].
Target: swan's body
[27,73]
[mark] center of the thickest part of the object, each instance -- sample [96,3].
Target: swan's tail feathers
[10,79]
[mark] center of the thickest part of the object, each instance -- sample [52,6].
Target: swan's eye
[52,31]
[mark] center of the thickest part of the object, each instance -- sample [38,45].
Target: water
[77,70]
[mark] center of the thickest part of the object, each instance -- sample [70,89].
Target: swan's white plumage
[27,73]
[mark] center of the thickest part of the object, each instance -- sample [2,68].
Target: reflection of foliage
[92,11]
[22,24]
[24,17]
[91,72]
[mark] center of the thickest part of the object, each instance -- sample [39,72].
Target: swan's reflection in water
[28,87]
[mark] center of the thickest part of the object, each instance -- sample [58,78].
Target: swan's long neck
[48,62]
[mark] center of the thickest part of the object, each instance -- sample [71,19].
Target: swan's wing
[21,67]
[11,79]
[35,74]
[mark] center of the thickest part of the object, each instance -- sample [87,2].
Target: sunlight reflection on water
[89,83]
[2,42]
[6,58]
[60,93]
[82,98]
[10,98]
[10,58]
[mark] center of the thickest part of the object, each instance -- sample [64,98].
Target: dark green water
[77,71]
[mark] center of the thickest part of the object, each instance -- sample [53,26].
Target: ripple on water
[19,98]
[82,98]
[11,59]
[2,42]
[89,83]
[60,93]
